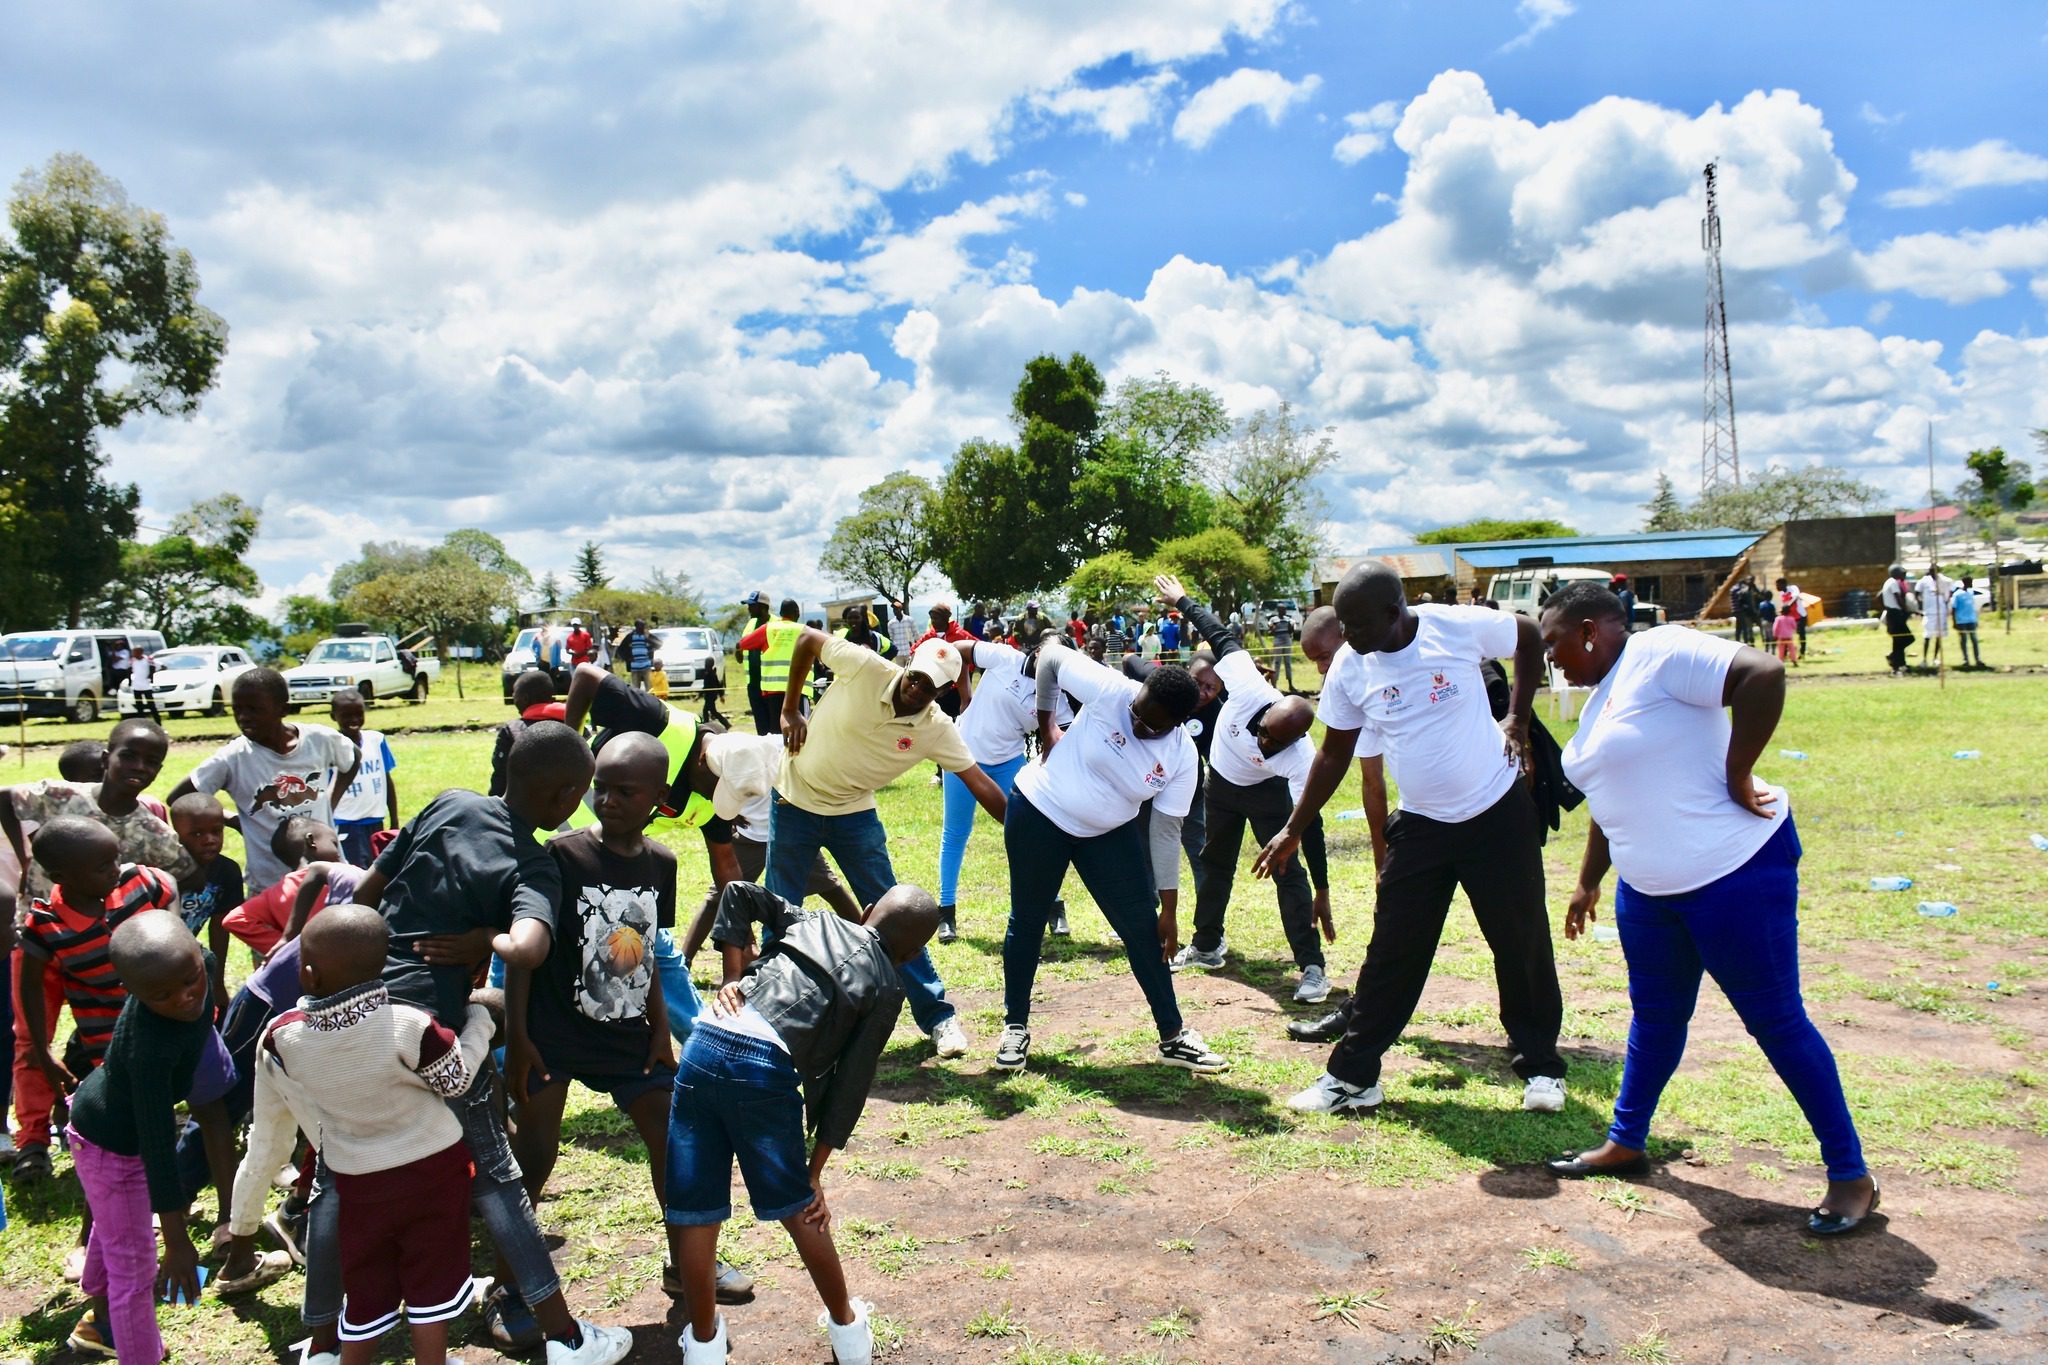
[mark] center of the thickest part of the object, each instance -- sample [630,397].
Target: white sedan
[190,679]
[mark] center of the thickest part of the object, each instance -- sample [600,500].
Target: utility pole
[1719,466]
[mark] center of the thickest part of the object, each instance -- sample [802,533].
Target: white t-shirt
[1234,751]
[1004,708]
[1100,772]
[268,787]
[1934,590]
[141,671]
[1425,708]
[366,797]
[1651,755]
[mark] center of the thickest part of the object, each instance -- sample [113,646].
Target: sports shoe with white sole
[1191,956]
[695,1352]
[1013,1048]
[1187,1050]
[289,1232]
[853,1343]
[949,1038]
[1331,1096]
[601,1346]
[1543,1095]
[1314,988]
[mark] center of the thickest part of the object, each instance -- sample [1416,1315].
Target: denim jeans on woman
[1743,930]
[1117,870]
[961,811]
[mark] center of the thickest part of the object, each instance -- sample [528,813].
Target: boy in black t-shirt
[201,826]
[588,1013]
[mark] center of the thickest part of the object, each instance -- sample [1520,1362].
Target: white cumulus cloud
[1369,130]
[1212,108]
[1539,16]
[1946,172]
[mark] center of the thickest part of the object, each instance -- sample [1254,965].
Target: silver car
[691,656]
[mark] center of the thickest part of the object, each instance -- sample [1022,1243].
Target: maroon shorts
[405,1241]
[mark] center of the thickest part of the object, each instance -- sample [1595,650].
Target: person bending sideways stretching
[875,723]
[1709,864]
[1407,684]
[1078,807]
[1258,762]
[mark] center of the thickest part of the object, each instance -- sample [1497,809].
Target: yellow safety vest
[775,658]
[678,737]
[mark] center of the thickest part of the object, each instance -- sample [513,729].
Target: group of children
[367,1030]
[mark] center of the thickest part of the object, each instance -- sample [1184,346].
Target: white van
[71,673]
[1523,590]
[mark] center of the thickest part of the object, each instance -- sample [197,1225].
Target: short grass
[1876,794]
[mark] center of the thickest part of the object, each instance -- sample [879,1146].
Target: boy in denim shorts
[801,1030]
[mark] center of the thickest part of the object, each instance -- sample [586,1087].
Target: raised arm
[1175,594]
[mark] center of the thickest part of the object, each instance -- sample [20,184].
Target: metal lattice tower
[1719,466]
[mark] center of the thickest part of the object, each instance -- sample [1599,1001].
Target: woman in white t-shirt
[1709,864]
[994,725]
[1078,807]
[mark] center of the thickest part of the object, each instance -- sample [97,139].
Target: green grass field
[1936,1021]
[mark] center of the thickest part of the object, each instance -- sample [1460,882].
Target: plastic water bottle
[1796,755]
[1350,815]
[1992,985]
[1891,883]
[1967,753]
[2039,841]
[1606,933]
[1936,909]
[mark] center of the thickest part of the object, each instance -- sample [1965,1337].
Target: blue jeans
[1117,870]
[961,810]
[1743,930]
[355,840]
[735,1098]
[860,846]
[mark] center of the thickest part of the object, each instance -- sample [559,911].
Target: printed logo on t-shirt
[288,792]
[1156,779]
[1193,726]
[903,744]
[1116,737]
[1390,697]
[1441,689]
[617,971]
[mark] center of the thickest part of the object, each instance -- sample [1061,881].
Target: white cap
[747,766]
[938,661]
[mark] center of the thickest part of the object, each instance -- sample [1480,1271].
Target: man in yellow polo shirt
[876,722]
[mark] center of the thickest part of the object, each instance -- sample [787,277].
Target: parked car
[1523,591]
[191,678]
[66,672]
[540,644]
[373,665]
[1274,608]
[692,658]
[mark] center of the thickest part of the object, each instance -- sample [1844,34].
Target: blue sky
[684,279]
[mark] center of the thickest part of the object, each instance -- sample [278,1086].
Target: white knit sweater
[366,1079]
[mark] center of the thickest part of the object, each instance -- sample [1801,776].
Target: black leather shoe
[1327,1029]
[1571,1166]
[947,932]
[1824,1224]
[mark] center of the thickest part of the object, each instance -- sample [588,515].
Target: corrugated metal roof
[1643,547]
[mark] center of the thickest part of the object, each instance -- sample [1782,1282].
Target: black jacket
[828,989]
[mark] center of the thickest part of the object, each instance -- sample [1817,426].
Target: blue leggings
[1743,930]
[961,810]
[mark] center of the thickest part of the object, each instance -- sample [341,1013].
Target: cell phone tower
[1719,465]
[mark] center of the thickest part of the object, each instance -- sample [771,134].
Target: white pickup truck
[373,665]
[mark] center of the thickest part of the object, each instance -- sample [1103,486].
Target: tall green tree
[377,559]
[1664,512]
[1218,559]
[1269,494]
[1778,495]
[451,595]
[490,554]
[190,584]
[589,572]
[887,541]
[100,321]
[1494,528]
[549,590]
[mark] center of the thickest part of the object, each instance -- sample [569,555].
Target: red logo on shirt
[1437,680]
[903,744]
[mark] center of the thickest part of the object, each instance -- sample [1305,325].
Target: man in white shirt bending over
[1407,685]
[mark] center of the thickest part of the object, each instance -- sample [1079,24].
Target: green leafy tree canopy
[888,540]
[1494,528]
[190,583]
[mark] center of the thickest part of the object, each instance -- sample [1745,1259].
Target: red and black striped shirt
[77,943]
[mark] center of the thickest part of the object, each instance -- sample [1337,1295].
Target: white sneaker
[1543,1095]
[1191,956]
[697,1352]
[1331,1096]
[949,1038]
[853,1343]
[1013,1048]
[1314,988]
[602,1346]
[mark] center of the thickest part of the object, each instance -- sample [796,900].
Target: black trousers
[1265,807]
[1745,627]
[1896,624]
[1497,858]
[767,709]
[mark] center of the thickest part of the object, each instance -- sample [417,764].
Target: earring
[1589,646]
